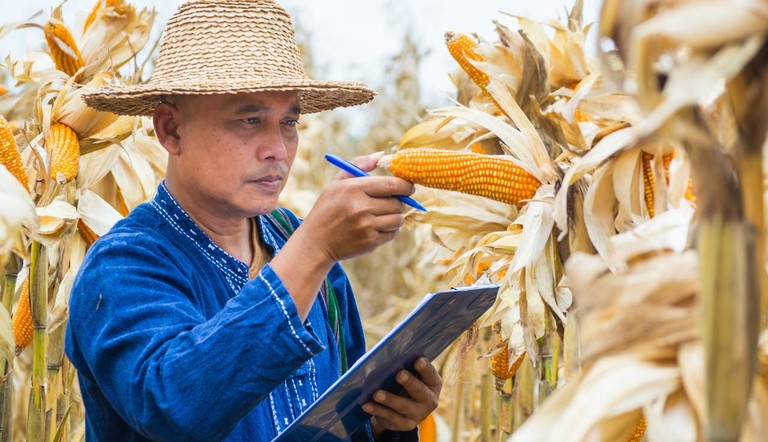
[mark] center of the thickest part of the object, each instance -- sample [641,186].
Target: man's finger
[428,374]
[367,162]
[385,186]
[417,390]
[391,418]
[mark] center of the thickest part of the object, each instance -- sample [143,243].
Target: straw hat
[228,46]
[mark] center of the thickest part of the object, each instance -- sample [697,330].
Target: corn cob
[500,367]
[10,157]
[639,431]
[490,176]
[64,151]
[88,235]
[63,49]
[95,10]
[462,49]
[23,328]
[649,181]
[649,184]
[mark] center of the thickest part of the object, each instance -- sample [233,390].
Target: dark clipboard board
[429,329]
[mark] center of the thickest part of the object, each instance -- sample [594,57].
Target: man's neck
[232,234]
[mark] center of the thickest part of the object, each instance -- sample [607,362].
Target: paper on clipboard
[429,329]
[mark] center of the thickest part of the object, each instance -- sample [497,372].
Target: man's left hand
[404,412]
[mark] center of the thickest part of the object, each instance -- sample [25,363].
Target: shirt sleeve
[167,369]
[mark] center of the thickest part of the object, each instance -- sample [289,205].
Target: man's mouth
[270,182]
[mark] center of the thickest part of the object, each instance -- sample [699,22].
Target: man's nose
[273,146]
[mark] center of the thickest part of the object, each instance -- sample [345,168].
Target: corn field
[615,194]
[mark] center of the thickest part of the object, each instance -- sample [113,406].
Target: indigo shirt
[173,342]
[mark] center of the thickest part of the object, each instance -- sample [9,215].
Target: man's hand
[353,216]
[404,412]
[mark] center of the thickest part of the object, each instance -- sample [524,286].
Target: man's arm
[156,356]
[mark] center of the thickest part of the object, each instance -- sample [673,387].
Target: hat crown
[216,41]
[228,47]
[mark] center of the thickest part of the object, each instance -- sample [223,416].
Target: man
[206,315]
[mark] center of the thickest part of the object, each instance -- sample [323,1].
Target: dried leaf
[612,387]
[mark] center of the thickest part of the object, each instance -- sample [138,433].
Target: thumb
[367,162]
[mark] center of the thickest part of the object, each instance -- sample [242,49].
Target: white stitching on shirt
[290,398]
[285,312]
[313,379]
[211,244]
[215,262]
[275,422]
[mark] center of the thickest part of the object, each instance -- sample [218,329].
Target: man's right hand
[351,217]
[354,216]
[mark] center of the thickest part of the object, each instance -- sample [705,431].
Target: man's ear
[166,120]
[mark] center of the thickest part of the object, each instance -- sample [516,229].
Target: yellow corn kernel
[639,431]
[63,49]
[490,176]
[10,157]
[88,235]
[95,10]
[462,48]
[23,329]
[64,151]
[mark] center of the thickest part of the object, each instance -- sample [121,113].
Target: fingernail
[403,376]
[421,364]
[368,408]
[380,396]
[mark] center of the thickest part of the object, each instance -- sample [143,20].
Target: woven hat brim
[314,95]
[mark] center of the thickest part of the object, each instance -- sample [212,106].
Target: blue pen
[350,168]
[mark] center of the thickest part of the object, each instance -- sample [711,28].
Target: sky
[352,39]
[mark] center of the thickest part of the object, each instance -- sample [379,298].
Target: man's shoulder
[142,230]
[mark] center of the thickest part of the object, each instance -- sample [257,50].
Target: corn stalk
[11,271]
[730,283]
[38,293]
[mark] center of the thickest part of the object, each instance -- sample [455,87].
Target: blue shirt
[173,342]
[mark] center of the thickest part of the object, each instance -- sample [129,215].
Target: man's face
[236,150]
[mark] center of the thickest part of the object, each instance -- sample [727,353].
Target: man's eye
[292,122]
[252,120]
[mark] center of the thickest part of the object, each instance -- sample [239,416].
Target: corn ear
[23,328]
[491,176]
[64,151]
[462,49]
[639,432]
[88,235]
[10,157]
[63,48]
[649,181]
[96,7]
[500,366]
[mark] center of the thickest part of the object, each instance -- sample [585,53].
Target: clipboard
[429,329]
